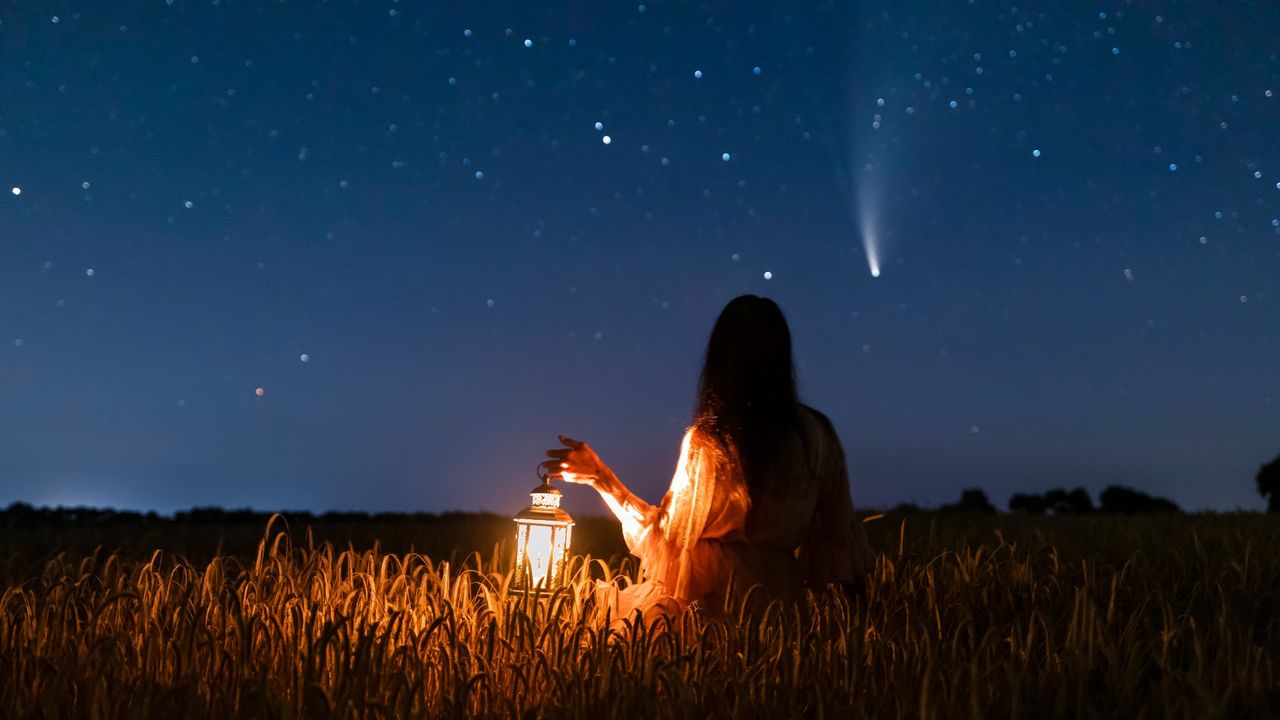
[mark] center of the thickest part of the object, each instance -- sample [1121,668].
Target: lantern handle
[543,474]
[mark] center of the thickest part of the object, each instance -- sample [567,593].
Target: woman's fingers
[556,466]
[574,463]
[553,467]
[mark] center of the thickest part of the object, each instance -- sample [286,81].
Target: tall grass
[992,617]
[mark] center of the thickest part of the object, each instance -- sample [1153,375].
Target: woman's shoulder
[702,436]
[814,418]
[822,442]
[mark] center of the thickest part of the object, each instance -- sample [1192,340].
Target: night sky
[377,255]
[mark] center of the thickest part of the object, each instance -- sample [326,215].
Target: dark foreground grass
[987,616]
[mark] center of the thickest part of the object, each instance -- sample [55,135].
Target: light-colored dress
[798,532]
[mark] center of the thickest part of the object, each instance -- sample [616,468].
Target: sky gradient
[403,224]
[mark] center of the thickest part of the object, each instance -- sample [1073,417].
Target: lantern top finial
[545,502]
[545,495]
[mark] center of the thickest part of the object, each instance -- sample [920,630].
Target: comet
[868,224]
[869,168]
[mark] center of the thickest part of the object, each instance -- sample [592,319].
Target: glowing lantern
[543,531]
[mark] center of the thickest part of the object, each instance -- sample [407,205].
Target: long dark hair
[747,390]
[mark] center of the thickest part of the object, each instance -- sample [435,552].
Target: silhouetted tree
[1127,501]
[1057,501]
[1033,504]
[971,500]
[1075,502]
[345,516]
[1079,501]
[1269,484]
[233,516]
[21,510]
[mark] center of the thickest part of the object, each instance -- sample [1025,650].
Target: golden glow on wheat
[1123,617]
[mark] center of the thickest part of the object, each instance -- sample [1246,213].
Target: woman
[760,491]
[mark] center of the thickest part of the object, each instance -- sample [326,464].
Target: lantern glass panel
[537,554]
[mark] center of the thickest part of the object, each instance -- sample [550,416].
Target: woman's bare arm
[578,463]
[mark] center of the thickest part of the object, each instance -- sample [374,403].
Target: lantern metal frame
[543,517]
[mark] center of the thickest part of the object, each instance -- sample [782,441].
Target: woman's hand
[576,462]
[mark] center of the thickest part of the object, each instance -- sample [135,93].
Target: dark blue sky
[400,221]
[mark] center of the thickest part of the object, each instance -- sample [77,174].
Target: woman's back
[782,507]
[800,528]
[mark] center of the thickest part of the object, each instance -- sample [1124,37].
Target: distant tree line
[20,513]
[972,500]
[1114,500]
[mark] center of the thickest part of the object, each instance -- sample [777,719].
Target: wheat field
[987,616]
